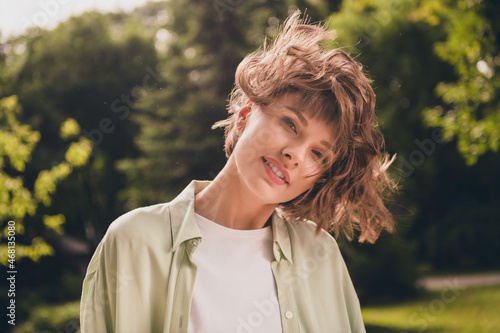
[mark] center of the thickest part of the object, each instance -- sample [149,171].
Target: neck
[228,202]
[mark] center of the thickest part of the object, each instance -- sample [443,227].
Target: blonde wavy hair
[349,195]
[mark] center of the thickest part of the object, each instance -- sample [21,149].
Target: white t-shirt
[234,291]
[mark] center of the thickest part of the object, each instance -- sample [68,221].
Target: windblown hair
[349,195]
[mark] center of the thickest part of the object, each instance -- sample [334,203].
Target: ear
[242,115]
[245,110]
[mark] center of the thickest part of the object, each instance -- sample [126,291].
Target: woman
[240,253]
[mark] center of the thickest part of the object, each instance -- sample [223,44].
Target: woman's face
[281,151]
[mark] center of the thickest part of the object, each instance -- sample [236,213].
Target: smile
[276,175]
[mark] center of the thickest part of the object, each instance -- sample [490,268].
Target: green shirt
[141,277]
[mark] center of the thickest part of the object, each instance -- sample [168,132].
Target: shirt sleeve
[97,306]
[111,299]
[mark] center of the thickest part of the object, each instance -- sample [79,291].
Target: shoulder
[311,249]
[145,224]
[304,238]
[318,257]
[140,219]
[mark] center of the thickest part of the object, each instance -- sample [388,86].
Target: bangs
[320,105]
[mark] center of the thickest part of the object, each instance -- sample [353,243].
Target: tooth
[276,170]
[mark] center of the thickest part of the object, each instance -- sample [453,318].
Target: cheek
[244,150]
[256,139]
[264,135]
[307,181]
[311,170]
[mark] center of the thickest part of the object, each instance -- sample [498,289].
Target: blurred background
[106,106]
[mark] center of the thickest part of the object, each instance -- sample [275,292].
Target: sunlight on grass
[457,310]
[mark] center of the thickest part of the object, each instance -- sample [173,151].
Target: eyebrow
[304,122]
[298,114]
[327,145]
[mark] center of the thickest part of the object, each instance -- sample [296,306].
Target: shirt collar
[183,224]
[281,238]
[184,227]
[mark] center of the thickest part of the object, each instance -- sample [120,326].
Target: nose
[294,155]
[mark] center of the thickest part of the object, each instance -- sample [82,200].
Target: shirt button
[289,315]
[191,246]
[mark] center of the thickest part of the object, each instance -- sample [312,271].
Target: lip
[271,173]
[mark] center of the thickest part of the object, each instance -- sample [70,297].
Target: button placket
[284,277]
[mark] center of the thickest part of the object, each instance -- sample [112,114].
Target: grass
[460,310]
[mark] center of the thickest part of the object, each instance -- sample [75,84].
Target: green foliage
[69,129]
[395,52]
[17,142]
[45,185]
[84,73]
[469,111]
[52,319]
[54,222]
[441,197]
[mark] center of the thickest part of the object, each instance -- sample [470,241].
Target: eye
[289,122]
[321,156]
[318,153]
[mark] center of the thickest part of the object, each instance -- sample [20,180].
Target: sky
[17,15]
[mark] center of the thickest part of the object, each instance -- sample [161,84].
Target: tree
[469,110]
[447,208]
[17,142]
[89,68]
